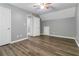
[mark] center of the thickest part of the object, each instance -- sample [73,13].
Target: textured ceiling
[55,7]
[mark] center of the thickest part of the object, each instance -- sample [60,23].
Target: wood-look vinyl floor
[41,46]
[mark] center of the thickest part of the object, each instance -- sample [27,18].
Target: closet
[33,26]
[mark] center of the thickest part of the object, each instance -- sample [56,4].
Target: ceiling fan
[42,5]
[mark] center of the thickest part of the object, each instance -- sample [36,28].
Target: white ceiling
[55,6]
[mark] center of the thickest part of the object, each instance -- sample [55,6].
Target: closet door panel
[36,26]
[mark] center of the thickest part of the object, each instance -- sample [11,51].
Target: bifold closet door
[5,26]
[36,26]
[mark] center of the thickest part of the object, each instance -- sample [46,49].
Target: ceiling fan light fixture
[42,5]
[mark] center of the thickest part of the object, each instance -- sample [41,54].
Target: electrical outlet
[17,36]
[20,35]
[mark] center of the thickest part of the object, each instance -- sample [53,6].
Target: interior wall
[18,22]
[63,25]
[19,27]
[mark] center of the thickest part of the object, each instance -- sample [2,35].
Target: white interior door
[46,30]
[29,26]
[36,29]
[5,26]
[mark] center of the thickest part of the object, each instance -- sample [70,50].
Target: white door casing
[29,26]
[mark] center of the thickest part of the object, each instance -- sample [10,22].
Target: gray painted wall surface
[62,27]
[18,19]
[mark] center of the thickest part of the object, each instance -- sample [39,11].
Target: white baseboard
[18,40]
[63,36]
[77,43]
[44,34]
[60,36]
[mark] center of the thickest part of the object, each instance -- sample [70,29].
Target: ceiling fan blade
[52,7]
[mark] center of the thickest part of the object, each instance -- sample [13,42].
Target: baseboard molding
[77,43]
[63,36]
[18,40]
[43,34]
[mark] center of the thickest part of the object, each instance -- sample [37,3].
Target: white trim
[44,34]
[76,40]
[60,36]
[63,36]
[77,43]
[18,40]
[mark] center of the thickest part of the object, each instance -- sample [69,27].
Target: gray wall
[18,19]
[62,27]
